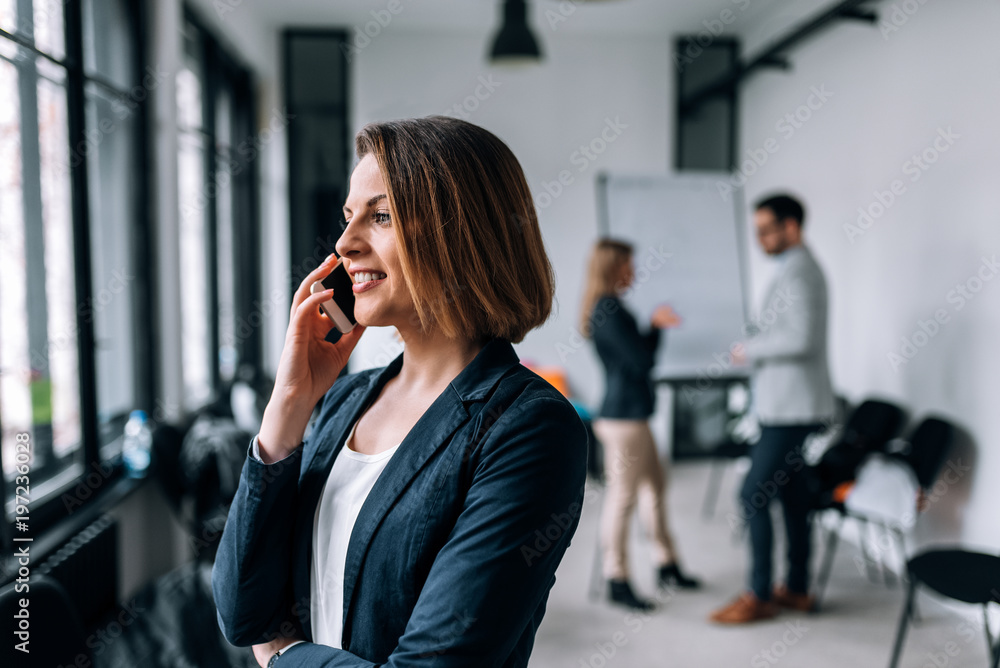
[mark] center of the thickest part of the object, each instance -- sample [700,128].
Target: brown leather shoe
[744,609]
[787,599]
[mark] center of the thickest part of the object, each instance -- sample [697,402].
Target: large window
[76,295]
[221,314]
[72,239]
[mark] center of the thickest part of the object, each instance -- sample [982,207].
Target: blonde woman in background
[632,468]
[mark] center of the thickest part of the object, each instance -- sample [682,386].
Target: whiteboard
[690,252]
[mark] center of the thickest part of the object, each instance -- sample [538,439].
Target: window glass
[112,182]
[39,383]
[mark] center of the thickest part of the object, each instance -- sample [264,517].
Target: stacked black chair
[869,429]
[970,577]
[925,453]
[56,633]
[928,447]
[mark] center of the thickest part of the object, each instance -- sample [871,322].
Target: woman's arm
[251,577]
[252,571]
[251,574]
[616,330]
[489,581]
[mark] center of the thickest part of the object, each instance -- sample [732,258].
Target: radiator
[87,568]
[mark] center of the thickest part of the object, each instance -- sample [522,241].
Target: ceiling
[569,16]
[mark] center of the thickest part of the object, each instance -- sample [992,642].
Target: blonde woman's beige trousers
[634,476]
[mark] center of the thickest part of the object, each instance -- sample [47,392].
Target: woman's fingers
[309,305]
[319,273]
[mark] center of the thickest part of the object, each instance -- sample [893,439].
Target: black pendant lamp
[515,43]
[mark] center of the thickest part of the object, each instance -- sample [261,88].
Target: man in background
[793,398]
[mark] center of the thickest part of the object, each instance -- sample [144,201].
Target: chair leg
[868,559]
[832,536]
[712,490]
[992,648]
[888,577]
[904,619]
[900,542]
[905,576]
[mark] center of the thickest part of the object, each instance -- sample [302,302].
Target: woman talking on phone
[632,467]
[421,521]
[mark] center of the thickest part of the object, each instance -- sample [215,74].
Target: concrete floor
[855,628]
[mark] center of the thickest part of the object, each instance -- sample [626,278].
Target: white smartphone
[340,309]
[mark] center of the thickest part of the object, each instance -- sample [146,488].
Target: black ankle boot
[620,591]
[671,574]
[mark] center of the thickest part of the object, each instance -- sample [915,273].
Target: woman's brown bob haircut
[468,237]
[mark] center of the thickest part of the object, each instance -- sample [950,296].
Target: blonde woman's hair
[603,274]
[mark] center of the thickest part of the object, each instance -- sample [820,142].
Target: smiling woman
[466,233]
[402,531]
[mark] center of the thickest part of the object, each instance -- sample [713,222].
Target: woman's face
[368,246]
[627,274]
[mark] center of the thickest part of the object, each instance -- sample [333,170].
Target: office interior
[170,170]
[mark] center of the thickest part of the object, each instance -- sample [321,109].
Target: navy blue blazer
[628,357]
[455,549]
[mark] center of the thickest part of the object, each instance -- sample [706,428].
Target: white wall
[891,95]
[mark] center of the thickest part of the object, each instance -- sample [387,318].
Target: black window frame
[310,238]
[47,511]
[219,63]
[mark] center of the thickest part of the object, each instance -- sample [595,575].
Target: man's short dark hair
[784,206]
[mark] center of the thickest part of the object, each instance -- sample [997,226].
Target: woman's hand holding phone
[308,367]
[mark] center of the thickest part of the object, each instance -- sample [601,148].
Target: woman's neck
[431,361]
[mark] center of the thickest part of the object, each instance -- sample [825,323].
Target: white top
[351,479]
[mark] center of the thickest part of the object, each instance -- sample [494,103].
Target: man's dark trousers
[778,469]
